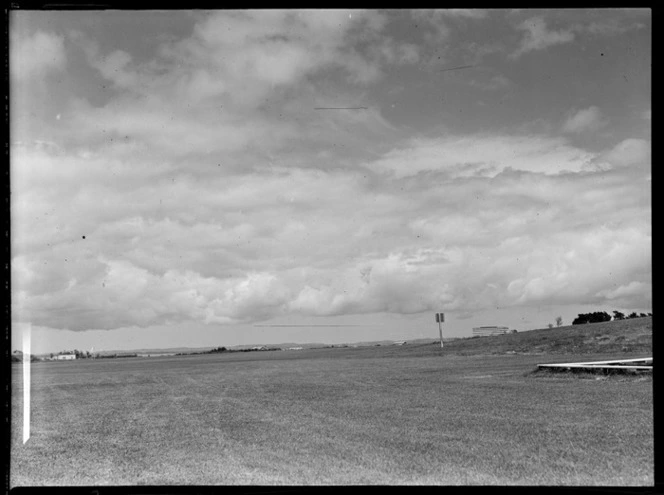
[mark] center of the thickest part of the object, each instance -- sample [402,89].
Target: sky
[203,178]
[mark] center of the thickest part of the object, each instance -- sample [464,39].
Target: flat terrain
[473,413]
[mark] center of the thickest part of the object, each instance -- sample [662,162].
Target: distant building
[295,348]
[485,331]
[63,357]
[401,342]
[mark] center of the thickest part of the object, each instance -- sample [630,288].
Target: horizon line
[300,325]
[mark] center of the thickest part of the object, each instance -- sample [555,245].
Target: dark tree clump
[596,317]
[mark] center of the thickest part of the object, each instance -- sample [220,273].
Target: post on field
[440,318]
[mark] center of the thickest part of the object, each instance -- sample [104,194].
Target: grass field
[473,413]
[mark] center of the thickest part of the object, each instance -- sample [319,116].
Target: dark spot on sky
[83,237]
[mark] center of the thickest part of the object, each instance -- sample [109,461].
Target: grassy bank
[632,336]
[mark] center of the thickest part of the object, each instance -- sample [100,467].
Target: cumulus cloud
[588,119]
[253,246]
[36,55]
[126,295]
[538,36]
[485,155]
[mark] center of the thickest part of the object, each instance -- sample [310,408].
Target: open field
[413,414]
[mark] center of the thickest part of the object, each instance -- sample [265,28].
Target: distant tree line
[599,316]
[111,356]
[89,355]
[218,350]
[617,315]
[76,352]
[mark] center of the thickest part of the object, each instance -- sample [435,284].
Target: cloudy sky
[191,179]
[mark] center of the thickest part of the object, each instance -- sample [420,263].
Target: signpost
[440,318]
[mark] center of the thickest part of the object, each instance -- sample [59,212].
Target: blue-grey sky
[175,183]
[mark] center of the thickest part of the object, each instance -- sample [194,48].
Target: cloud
[248,54]
[202,186]
[241,83]
[438,25]
[484,155]
[495,83]
[587,24]
[36,56]
[635,294]
[276,241]
[538,37]
[628,153]
[610,27]
[588,119]
[466,13]
[398,53]
[127,295]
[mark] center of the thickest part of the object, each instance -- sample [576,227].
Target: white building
[493,330]
[63,357]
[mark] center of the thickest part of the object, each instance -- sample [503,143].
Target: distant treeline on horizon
[600,316]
